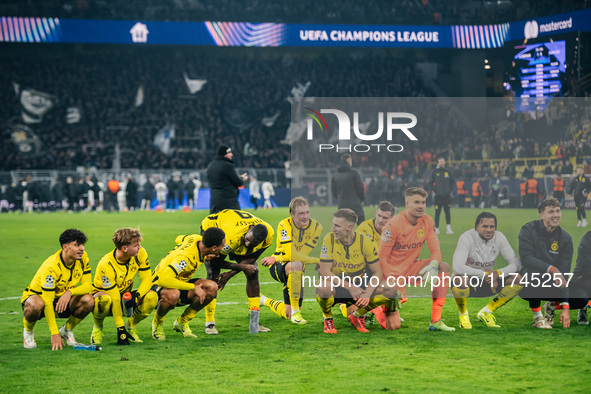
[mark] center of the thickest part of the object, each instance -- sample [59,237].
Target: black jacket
[538,250]
[347,188]
[579,187]
[443,181]
[224,182]
[583,267]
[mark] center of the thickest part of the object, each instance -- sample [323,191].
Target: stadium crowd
[305,11]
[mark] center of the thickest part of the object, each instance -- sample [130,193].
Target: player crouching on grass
[402,240]
[173,283]
[54,289]
[297,236]
[474,274]
[546,252]
[114,277]
[345,260]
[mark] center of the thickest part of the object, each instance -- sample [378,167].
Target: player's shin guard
[29,326]
[326,306]
[294,285]
[210,311]
[102,307]
[461,297]
[144,309]
[276,306]
[374,302]
[506,294]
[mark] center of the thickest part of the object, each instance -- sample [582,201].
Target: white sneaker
[210,330]
[29,340]
[68,336]
[584,223]
[579,223]
[449,231]
[437,230]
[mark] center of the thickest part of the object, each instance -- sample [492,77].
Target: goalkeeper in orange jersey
[401,243]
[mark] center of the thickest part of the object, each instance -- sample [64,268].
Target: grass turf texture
[512,358]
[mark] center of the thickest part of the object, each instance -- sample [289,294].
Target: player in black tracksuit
[443,183]
[545,248]
[579,187]
[580,291]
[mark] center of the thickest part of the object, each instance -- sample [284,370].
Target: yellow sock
[210,311]
[505,295]
[461,296]
[343,309]
[29,326]
[188,315]
[374,302]
[276,306]
[294,286]
[102,307]
[72,322]
[144,309]
[254,303]
[325,306]
[158,319]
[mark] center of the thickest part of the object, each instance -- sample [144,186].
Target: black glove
[122,336]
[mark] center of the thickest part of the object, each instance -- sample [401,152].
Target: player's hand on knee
[362,302]
[268,261]
[248,269]
[122,336]
[222,280]
[199,292]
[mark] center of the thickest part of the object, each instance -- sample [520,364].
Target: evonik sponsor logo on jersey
[397,124]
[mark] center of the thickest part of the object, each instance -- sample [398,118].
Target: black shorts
[63,315]
[277,272]
[442,201]
[342,296]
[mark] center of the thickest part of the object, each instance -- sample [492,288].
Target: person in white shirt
[268,192]
[161,190]
[474,274]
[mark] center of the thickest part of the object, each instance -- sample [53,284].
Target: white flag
[300,90]
[73,115]
[35,104]
[139,96]
[269,121]
[163,137]
[194,85]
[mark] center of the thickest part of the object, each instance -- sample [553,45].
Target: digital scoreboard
[538,73]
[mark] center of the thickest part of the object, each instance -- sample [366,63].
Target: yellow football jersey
[235,224]
[116,277]
[295,244]
[179,265]
[350,260]
[52,280]
[368,228]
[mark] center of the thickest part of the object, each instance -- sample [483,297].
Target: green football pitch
[289,358]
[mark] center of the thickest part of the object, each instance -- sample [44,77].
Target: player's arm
[145,276]
[583,266]
[433,243]
[460,258]
[283,246]
[168,278]
[85,281]
[387,242]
